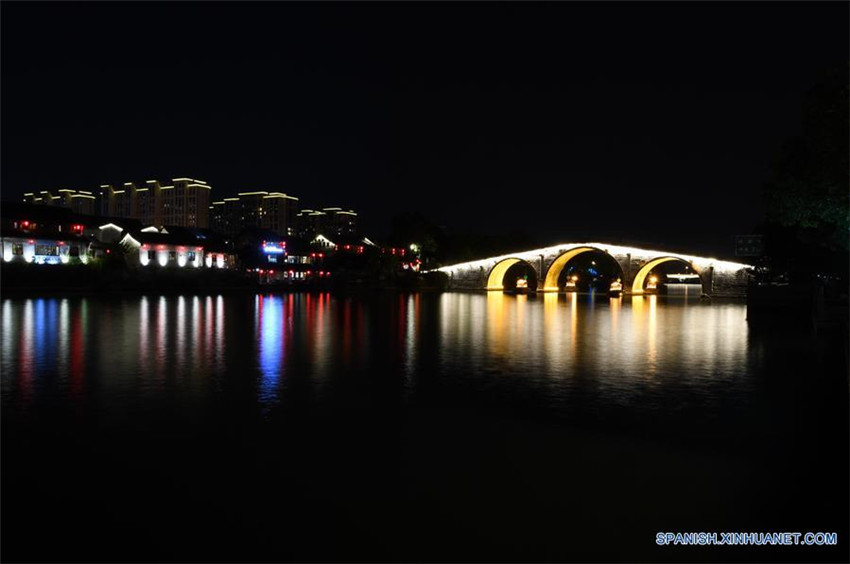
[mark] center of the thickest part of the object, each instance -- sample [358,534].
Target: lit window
[18,249]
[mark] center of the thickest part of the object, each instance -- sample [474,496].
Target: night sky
[637,122]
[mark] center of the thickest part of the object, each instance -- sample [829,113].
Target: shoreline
[229,290]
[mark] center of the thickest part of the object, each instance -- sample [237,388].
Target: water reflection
[271,336]
[320,334]
[564,349]
[181,320]
[58,348]
[610,350]
[412,336]
[161,337]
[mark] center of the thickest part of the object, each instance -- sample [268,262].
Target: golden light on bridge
[640,277]
[635,265]
[554,272]
[496,280]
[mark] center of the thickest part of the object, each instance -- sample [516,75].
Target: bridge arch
[496,279]
[640,277]
[558,265]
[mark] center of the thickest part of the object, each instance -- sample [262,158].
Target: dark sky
[649,122]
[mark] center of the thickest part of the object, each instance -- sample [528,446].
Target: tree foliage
[808,190]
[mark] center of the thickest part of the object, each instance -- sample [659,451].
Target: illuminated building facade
[225,216]
[285,261]
[79,201]
[152,247]
[310,223]
[340,222]
[55,235]
[183,202]
[43,250]
[251,209]
[331,222]
[274,211]
[279,212]
[42,235]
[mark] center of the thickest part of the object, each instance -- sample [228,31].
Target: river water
[413,427]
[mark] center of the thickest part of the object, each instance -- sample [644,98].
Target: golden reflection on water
[615,304]
[412,336]
[651,333]
[497,325]
[573,319]
[619,340]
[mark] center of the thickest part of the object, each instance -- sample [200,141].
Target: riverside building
[330,222]
[274,211]
[182,201]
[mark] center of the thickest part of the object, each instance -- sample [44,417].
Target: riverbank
[26,280]
[812,306]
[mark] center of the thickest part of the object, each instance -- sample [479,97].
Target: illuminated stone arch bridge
[718,278]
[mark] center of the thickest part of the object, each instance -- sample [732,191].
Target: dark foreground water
[450,427]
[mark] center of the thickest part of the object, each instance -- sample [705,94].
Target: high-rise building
[148,206]
[184,203]
[80,201]
[191,203]
[327,221]
[311,223]
[279,211]
[251,209]
[341,222]
[267,210]
[115,202]
[225,216]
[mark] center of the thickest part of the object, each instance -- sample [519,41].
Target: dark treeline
[807,228]
[442,244]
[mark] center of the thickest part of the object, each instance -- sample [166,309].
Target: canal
[427,427]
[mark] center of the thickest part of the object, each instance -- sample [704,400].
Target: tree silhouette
[807,194]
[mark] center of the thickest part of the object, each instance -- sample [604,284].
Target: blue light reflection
[271,337]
